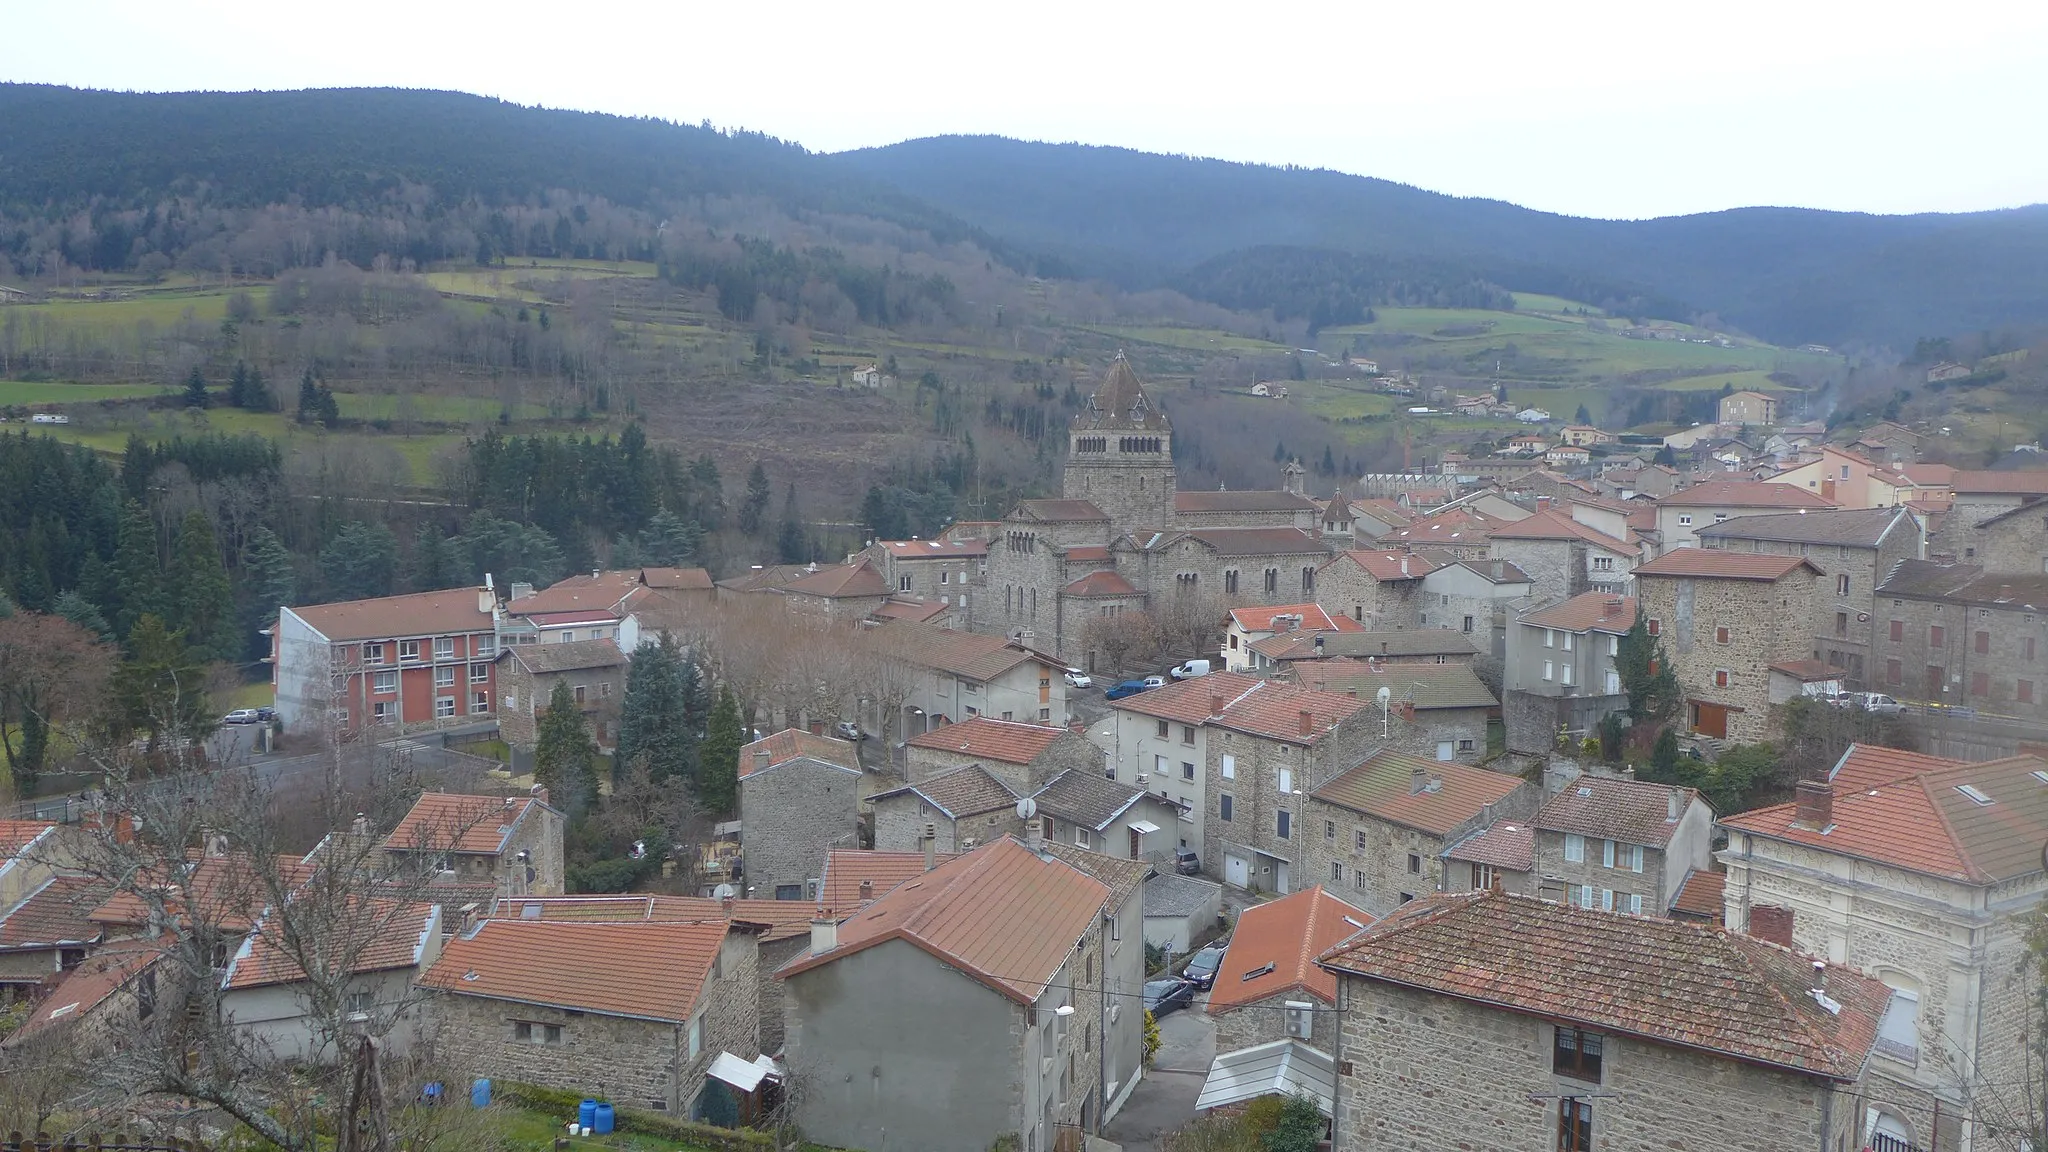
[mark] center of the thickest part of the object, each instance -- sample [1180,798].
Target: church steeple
[1120,453]
[1120,404]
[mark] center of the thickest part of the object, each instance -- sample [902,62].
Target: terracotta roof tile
[450,612]
[1381,508]
[1245,501]
[1508,844]
[1100,584]
[1259,541]
[969,654]
[968,791]
[600,592]
[447,822]
[647,971]
[677,579]
[1000,914]
[909,608]
[1273,950]
[1551,524]
[1700,895]
[1385,785]
[55,914]
[1086,797]
[1587,611]
[229,891]
[17,835]
[1421,684]
[1009,741]
[1389,564]
[1120,875]
[841,581]
[1276,710]
[1714,563]
[1667,981]
[1410,643]
[784,919]
[89,985]
[1630,811]
[1865,766]
[1931,475]
[792,743]
[385,935]
[2030,482]
[1314,618]
[1189,701]
[846,868]
[1088,553]
[570,657]
[1743,494]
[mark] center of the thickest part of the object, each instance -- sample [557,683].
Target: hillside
[1788,275]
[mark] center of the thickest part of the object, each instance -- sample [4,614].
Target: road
[1164,1100]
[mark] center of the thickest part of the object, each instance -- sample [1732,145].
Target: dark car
[1168,995]
[1186,862]
[1126,688]
[1202,966]
[266,715]
[848,730]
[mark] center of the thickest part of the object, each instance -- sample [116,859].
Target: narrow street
[1165,1099]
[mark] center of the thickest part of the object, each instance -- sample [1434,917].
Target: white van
[1190,670]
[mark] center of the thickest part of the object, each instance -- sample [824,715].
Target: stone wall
[790,815]
[634,1062]
[1557,567]
[1254,788]
[2012,666]
[1343,588]
[603,690]
[1264,1021]
[2016,544]
[1765,622]
[1430,1072]
[1560,879]
[1533,720]
[900,821]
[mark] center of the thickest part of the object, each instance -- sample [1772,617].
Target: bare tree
[1121,636]
[1191,623]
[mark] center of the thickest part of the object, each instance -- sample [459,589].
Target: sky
[1591,109]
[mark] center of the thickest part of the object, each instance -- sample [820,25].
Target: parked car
[1168,995]
[1190,670]
[1129,688]
[1078,679]
[242,716]
[1881,703]
[266,715]
[1202,965]
[848,730]
[1155,681]
[1186,862]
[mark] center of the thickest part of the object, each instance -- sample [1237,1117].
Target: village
[1580,795]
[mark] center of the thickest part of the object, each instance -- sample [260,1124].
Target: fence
[16,1142]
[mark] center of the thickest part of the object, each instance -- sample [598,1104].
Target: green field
[159,308]
[13,392]
[1195,339]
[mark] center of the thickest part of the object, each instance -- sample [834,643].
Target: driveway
[1165,1099]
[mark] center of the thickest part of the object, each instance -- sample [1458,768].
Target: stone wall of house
[2017,544]
[731,1003]
[900,821]
[1430,1072]
[1264,1021]
[540,836]
[790,816]
[1464,729]
[1766,622]
[1533,720]
[1371,863]
[768,990]
[27,967]
[1344,588]
[2009,676]
[1134,489]
[1560,879]
[1557,567]
[634,1062]
[1254,789]
[519,724]
[1961,540]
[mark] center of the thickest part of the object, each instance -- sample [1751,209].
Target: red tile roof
[56,914]
[1455,526]
[1669,982]
[1744,494]
[227,891]
[1245,501]
[791,743]
[17,835]
[784,919]
[1009,741]
[1587,611]
[89,985]
[1509,845]
[1392,564]
[841,581]
[1100,584]
[1088,552]
[1000,914]
[1273,950]
[1385,786]
[450,612]
[1259,541]
[599,592]
[646,971]
[1314,618]
[1713,563]
[1700,895]
[448,822]
[1189,701]
[901,608]
[1059,510]
[1631,811]
[1865,766]
[846,868]
[969,654]
[2028,482]
[1276,710]
[382,935]
[1551,524]
[1927,823]
[677,579]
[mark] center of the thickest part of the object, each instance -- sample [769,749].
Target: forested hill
[1789,275]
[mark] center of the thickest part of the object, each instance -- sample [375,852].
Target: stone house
[1414,645]
[1621,845]
[95,1006]
[2014,541]
[1009,947]
[838,594]
[1501,855]
[1440,710]
[1268,746]
[1180,910]
[855,878]
[1471,597]
[1980,496]
[956,676]
[1024,756]
[512,842]
[1584,435]
[1682,514]
[1928,882]
[1381,590]
[1743,408]
[1853,548]
[1723,618]
[595,671]
[1269,987]
[940,570]
[1894,444]
[1590,1030]
[264,993]
[794,808]
[1378,830]
[1159,741]
[1562,672]
[1563,557]
[1122,982]
[1956,636]
[962,807]
[1108,817]
[633,1012]
[1249,626]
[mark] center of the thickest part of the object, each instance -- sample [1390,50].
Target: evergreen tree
[258,393]
[204,606]
[360,562]
[1666,457]
[1329,465]
[1646,676]
[754,507]
[138,576]
[82,612]
[669,541]
[435,561]
[269,580]
[718,768]
[195,389]
[1582,416]
[697,702]
[238,386]
[159,689]
[652,721]
[791,546]
[310,410]
[6,606]
[564,759]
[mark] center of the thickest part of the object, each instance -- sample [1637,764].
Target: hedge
[645,1123]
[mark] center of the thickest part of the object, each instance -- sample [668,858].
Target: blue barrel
[586,1114]
[480,1094]
[603,1127]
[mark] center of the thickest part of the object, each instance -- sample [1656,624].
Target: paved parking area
[1165,1099]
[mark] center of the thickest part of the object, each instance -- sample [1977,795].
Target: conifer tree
[754,506]
[269,579]
[138,570]
[718,767]
[195,389]
[564,759]
[203,603]
[652,721]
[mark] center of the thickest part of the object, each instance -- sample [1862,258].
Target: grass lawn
[159,308]
[258,695]
[1197,339]
[17,392]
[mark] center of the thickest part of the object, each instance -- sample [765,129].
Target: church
[1123,537]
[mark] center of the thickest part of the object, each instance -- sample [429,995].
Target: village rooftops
[1189,701]
[470,825]
[57,914]
[1610,808]
[795,743]
[782,919]
[1700,895]
[2020,482]
[20,837]
[1278,500]
[1274,947]
[1976,823]
[676,579]
[226,890]
[1121,876]
[1865,766]
[840,581]
[936,549]
[375,935]
[1002,915]
[1087,798]
[969,655]
[1433,796]
[967,791]
[566,657]
[1509,845]
[1744,494]
[1276,710]
[1299,617]
[589,592]
[1551,524]
[1389,564]
[648,971]
[1006,741]
[1669,982]
[1966,584]
[1587,612]
[454,611]
[1850,527]
[1453,526]
[1424,685]
[854,877]
[1259,541]
[1411,644]
[1720,564]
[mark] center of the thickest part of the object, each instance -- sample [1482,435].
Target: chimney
[1404,567]
[1418,781]
[1216,703]
[1034,834]
[867,891]
[1820,978]
[1815,804]
[1671,806]
[824,934]
[726,904]
[360,826]
[1500,570]
[596,572]
[1542,503]
[539,792]
[931,845]
[1319,644]
[760,759]
[1308,722]
[511,802]
[486,600]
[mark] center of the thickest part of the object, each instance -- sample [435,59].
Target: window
[527,1032]
[1230,588]
[1614,645]
[1329,829]
[1983,643]
[1281,825]
[2027,648]
[408,649]
[1229,766]
[384,682]
[1161,728]
[384,710]
[1585,899]
[1565,675]
[1720,677]
[1894,672]
[444,677]
[444,706]
[1468,623]
[1223,806]
[578,692]
[1842,584]
[1720,635]
[1549,670]
[1898,1034]
[1632,855]
[1358,839]
[1187,734]
[568,637]
[1607,853]
[1081,838]
[1577,1053]
[1841,623]
[361,1002]
[1565,641]
[1980,684]
[1898,631]
[479,702]
[1415,863]
[1308,580]
[373,653]
[1574,1125]
[1574,848]
[479,673]
[1159,765]
[2023,691]
[1187,770]
[1272,579]
[1286,781]
[1635,905]
[1466,745]
[1336,873]
[696,1037]
[1483,877]
[145,995]
[485,646]
[1937,636]
[1550,637]
[1685,521]
[1358,879]
[444,647]
[1045,713]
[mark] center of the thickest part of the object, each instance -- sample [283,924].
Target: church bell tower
[1120,454]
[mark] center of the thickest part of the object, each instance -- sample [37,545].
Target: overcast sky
[1638,109]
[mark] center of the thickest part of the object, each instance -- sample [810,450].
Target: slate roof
[1865,766]
[1389,564]
[1666,981]
[55,915]
[1716,563]
[1086,797]
[845,868]
[1847,527]
[1424,685]
[1743,494]
[1000,914]
[1966,584]
[1700,895]
[1274,947]
[1010,741]
[448,822]
[1409,643]
[1383,785]
[1119,403]
[794,743]
[1172,894]
[1926,823]
[1259,541]
[385,933]
[1609,808]
[841,581]
[969,654]
[1508,845]
[1059,510]
[1586,612]
[968,791]
[1100,584]
[649,971]
[568,657]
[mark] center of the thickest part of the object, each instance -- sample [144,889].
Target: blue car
[1125,688]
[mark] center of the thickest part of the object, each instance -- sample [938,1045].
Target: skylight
[1975,793]
[2041,776]
[1261,970]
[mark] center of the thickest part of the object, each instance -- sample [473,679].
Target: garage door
[1235,871]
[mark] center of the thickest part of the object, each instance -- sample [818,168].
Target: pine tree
[309,399]
[238,386]
[1646,675]
[204,605]
[138,576]
[195,389]
[791,546]
[564,759]
[754,507]
[80,611]
[159,688]
[1582,416]
[269,580]
[718,766]
[669,541]
[434,562]
[360,562]
[652,721]
[258,393]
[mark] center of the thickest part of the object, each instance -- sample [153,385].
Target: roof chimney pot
[1308,722]
[1671,807]
[1814,804]
[824,934]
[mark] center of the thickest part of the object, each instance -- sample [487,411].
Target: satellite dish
[1027,808]
[1385,694]
[723,892]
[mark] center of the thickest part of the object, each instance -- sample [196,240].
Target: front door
[1236,871]
[1280,883]
[1710,719]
